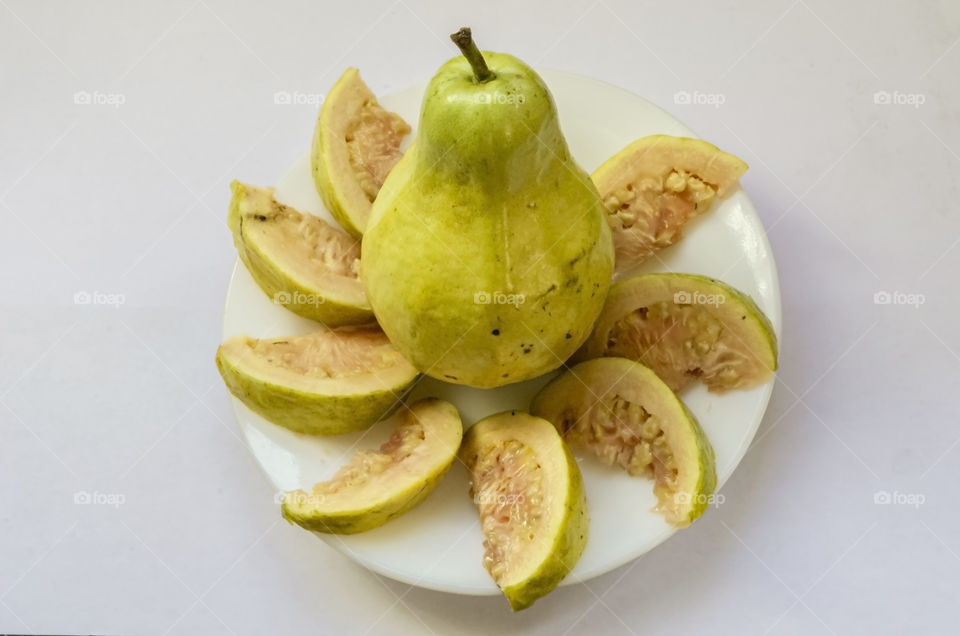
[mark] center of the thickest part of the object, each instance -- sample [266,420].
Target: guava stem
[464,41]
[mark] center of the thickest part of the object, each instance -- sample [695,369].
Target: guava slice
[355,145]
[532,504]
[377,486]
[686,327]
[655,185]
[325,383]
[628,417]
[297,259]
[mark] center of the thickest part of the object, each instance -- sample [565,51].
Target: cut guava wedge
[628,417]
[325,383]
[686,327]
[377,486]
[533,507]
[654,186]
[355,145]
[297,259]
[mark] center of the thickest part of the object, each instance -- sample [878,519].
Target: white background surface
[124,403]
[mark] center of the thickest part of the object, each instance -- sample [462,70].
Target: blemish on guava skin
[452,377]
[568,335]
[495,332]
[505,375]
[546,293]
[261,217]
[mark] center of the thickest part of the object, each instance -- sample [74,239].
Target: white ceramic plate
[438,545]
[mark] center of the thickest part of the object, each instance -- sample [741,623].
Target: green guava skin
[571,531]
[272,277]
[577,389]
[364,517]
[308,413]
[488,205]
[368,514]
[568,546]
[707,480]
[753,333]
